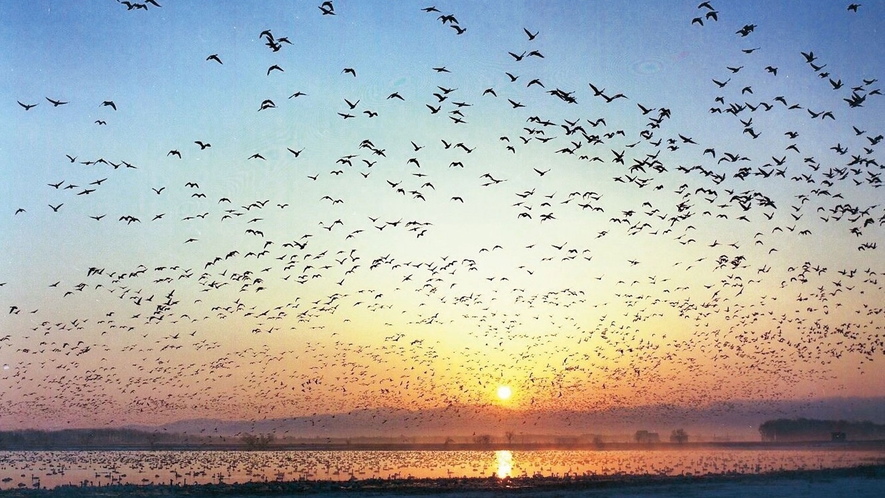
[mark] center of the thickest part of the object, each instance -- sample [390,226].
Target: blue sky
[485,269]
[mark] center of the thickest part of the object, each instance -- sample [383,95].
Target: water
[48,469]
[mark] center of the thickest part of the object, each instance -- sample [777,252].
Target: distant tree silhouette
[804,429]
[482,439]
[678,436]
[509,435]
[259,442]
[645,437]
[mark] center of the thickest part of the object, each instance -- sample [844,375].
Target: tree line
[806,429]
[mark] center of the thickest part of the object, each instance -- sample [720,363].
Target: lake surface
[48,469]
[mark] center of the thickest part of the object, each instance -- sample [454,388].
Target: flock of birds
[100,468]
[410,274]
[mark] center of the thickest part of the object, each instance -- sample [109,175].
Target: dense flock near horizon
[401,207]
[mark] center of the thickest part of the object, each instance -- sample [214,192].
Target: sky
[251,211]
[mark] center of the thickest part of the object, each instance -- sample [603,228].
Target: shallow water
[48,469]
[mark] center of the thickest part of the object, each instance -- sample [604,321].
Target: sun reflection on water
[505,463]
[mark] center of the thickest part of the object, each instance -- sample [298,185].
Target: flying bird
[327,8]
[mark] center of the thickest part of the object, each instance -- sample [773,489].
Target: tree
[259,442]
[645,437]
[483,439]
[678,436]
[509,436]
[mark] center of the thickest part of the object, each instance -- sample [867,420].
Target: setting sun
[504,393]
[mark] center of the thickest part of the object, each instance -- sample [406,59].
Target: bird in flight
[327,8]
[214,57]
[109,103]
[27,107]
[55,103]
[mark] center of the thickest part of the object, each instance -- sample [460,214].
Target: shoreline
[371,446]
[868,477]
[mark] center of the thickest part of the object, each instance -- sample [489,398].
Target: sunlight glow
[505,463]
[504,393]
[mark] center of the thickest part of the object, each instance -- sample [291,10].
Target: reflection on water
[48,469]
[505,463]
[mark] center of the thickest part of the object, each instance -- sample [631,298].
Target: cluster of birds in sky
[325,208]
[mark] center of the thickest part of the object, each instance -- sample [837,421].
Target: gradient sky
[734,255]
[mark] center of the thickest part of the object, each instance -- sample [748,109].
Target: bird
[327,8]
[108,103]
[55,103]
[27,107]
[214,57]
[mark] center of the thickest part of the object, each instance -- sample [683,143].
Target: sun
[504,393]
